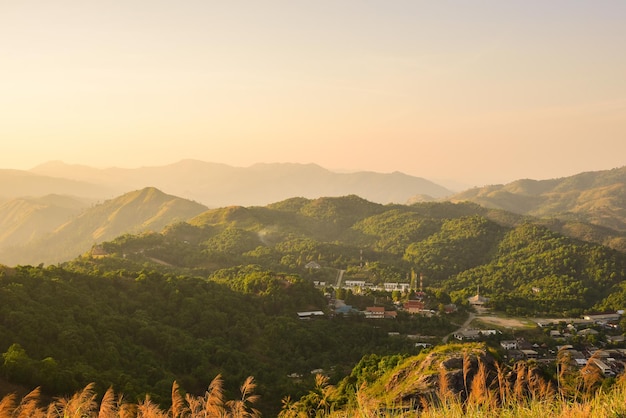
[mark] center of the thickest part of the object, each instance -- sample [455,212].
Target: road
[463,326]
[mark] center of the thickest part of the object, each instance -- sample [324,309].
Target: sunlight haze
[475,92]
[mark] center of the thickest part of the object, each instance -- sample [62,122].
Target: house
[390,287]
[391,314]
[604,368]
[374,312]
[522,344]
[509,344]
[601,354]
[576,355]
[312,265]
[580,362]
[474,334]
[344,309]
[603,318]
[450,308]
[515,355]
[310,314]
[97,251]
[615,339]
[588,331]
[413,306]
[530,354]
[355,283]
[379,312]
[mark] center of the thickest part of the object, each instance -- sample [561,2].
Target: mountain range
[217,185]
[597,198]
[57,211]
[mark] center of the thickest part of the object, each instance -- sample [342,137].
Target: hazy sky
[476,91]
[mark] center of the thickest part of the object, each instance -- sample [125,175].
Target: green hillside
[62,328]
[143,210]
[457,247]
[594,197]
[219,294]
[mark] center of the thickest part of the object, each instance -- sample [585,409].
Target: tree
[17,365]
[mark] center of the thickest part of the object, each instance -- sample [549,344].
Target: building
[604,368]
[379,312]
[310,314]
[450,308]
[97,251]
[312,265]
[413,306]
[530,354]
[474,334]
[509,344]
[588,331]
[391,314]
[602,318]
[374,312]
[615,339]
[478,300]
[390,287]
[355,283]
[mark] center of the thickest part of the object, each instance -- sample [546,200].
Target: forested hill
[138,331]
[594,197]
[68,230]
[219,294]
[456,246]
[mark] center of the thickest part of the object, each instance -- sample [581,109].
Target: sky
[474,92]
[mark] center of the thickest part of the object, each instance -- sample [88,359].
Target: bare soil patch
[506,322]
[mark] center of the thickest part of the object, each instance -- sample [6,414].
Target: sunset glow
[479,93]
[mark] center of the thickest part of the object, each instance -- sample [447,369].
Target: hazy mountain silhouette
[23,220]
[139,211]
[597,197]
[217,185]
[18,183]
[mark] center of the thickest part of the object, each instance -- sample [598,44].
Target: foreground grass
[611,404]
[84,404]
[481,403]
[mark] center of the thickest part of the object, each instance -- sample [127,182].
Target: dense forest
[457,247]
[62,329]
[219,295]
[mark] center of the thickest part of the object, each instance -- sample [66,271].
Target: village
[595,339]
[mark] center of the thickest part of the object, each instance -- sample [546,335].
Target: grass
[84,404]
[517,392]
[525,396]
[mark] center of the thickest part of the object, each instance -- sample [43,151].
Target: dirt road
[463,326]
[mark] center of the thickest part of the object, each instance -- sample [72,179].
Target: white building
[390,287]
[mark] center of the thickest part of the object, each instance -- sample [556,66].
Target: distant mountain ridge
[597,197]
[18,183]
[218,185]
[139,211]
[23,220]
